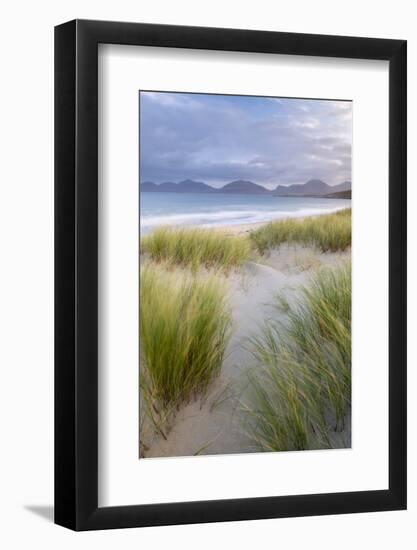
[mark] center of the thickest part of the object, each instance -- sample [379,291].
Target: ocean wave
[228,217]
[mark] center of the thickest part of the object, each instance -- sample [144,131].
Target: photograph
[209,259]
[245,274]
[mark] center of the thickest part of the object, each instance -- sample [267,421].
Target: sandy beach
[245,228]
[215,424]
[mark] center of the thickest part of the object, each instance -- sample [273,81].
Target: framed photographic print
[230,338]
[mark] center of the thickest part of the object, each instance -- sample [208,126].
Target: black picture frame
[76,273]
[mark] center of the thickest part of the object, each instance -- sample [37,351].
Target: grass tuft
[301,392]
[184,329]
[195,248]
[329,232]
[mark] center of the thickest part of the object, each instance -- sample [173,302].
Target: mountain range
[312,188]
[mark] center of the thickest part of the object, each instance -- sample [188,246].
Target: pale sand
[243,228]
[216,425]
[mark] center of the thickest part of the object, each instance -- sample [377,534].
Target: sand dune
[216,424]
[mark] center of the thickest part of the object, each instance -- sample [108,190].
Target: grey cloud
[289,141]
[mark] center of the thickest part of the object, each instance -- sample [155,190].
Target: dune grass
[195,248]
[301,391]
[210,248]
[184,329]
[329,232]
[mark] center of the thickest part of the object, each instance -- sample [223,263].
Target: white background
[26,399]
[123,479]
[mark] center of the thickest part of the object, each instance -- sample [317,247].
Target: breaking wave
[227,217]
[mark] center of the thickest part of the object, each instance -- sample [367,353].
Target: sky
[219,138]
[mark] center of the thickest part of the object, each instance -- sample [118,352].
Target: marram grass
[195,248]
[211,248]
[184,330]
[328,232]
[301,391]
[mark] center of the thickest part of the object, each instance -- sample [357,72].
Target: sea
[218,209]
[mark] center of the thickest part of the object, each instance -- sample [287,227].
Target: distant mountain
[149,187]
[243,186]
[339,195]
[167,187]
[190,186]
[345,186]
[186,186]
[312,187]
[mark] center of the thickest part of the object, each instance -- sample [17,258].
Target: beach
[215,422]
[227,211]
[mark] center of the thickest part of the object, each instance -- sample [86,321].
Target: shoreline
[242,228]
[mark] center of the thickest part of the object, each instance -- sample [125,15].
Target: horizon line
[249,181]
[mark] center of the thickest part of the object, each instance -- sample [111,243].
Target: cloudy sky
[219,138]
